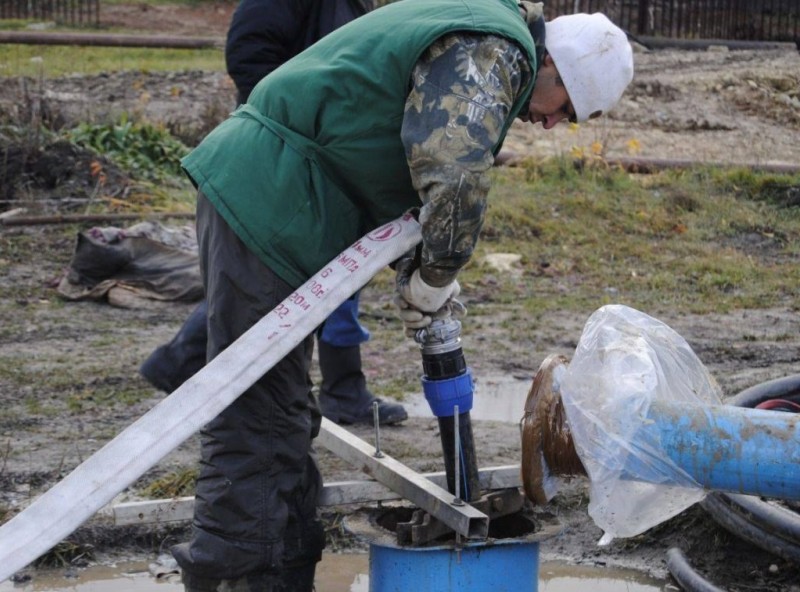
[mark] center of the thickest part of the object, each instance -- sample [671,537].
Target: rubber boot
[172,364]
[298,578]
[344,397]
[251,583]
[295,579]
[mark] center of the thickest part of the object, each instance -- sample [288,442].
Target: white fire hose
[95,482]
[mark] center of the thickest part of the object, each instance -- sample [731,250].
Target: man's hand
[419,303]
[414,320]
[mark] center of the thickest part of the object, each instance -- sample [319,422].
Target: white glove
[419,303]
[414,320]
[423,297]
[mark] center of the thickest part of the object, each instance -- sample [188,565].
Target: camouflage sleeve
[462,92]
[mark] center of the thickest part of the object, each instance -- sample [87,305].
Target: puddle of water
[496,398]
[560,577]
[127,577]
[336,573]
[342,573]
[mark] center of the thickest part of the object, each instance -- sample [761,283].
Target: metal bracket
[424,528]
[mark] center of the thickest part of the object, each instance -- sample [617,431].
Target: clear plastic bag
[626,360]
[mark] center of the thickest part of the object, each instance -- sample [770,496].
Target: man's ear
[548,60]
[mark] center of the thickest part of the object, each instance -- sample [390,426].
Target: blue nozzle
[444,394]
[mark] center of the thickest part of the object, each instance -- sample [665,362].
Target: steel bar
[464,520]
[339,493]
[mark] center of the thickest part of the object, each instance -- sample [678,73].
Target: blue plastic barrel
[493,565]
[510,565]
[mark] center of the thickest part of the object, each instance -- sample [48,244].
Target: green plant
[147,151]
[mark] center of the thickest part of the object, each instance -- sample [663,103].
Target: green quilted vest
[315,160]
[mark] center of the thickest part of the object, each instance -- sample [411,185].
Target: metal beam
[339,493]
[463,519]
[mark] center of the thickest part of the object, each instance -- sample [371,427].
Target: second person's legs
[343,394]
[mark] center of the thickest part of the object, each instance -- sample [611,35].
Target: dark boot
[344,397]
[250,583]
[292,579]
[172,364]
[298,578]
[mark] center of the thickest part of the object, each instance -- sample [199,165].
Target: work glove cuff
[423,296]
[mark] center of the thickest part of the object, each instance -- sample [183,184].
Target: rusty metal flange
[547,446]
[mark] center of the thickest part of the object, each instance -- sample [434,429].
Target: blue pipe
[723,448]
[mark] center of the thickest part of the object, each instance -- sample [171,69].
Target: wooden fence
[67,12]
[750,20]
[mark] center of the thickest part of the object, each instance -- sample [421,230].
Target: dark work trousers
[256,498]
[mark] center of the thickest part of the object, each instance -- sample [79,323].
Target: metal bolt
[457,501]
[377,423]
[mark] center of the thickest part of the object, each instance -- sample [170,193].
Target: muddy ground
[68,371]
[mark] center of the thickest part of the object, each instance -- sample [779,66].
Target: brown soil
[716,105]
[704,106]
[192,19]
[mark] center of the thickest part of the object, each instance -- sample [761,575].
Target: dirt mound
[59,171]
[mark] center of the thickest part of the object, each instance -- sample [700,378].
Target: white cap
[594,59]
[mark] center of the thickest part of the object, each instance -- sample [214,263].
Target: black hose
[782,521]
[469,480]
[687,578]
[780,388]
[761,533]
